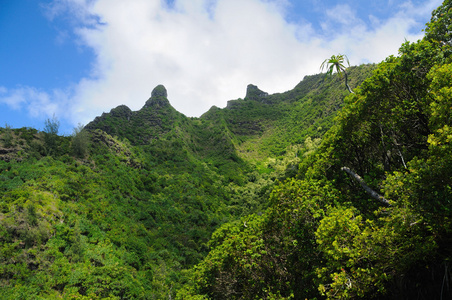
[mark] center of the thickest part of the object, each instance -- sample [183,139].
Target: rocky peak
[159,97]
[254,93]
[159,91]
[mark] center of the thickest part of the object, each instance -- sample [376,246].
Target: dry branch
[361,181]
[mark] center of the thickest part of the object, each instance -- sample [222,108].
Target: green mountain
[368,214]
[314,193]
[126,206]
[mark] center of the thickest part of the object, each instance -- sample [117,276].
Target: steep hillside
[369,213]
[252,131]
[266,125]
[124,207]
[265,198]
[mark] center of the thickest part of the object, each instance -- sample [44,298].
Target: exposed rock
[254,93]
[115,146]
[159,97]
[4,151]
[246,127]
[159,91]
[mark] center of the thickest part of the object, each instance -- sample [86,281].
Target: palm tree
[336,62]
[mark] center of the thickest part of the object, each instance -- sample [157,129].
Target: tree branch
[370,191]
[346,83]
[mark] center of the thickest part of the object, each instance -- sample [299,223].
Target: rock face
[8,154]
[234,104]
[159,97]
[159,91]
[254,93]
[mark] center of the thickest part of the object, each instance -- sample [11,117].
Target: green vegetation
[264,199]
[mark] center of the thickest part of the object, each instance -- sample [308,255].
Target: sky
[75,59]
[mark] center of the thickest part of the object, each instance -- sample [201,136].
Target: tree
[52,125]
[8,136]
[50,133]
[80,141]
[439,29]
[336,62]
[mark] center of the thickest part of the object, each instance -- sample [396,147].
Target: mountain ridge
[245,202]
[254,116]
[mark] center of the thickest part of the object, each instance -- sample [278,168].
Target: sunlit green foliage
[246,202]
[395,132]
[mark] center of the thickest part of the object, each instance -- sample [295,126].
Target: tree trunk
[370,191]
[346,83]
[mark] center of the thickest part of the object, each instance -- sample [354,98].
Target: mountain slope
[324,235]
[125,207]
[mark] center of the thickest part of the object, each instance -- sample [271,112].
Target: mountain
[311,193]
[277,120]
[127,204]
[155,119]
[368,213]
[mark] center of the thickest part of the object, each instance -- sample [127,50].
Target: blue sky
[78,58]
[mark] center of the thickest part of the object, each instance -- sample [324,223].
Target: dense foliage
[124,207]
[246,202]
[323,236]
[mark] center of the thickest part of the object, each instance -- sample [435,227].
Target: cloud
[206,51]
[374,40]
[37,103]
[342,14]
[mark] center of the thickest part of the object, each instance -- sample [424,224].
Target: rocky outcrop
[116,147]
[234,104]
[159,98]
[254,93]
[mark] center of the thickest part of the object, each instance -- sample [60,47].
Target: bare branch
[361,181]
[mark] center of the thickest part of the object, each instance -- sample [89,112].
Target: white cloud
[374,42]
[206,51]
[35,102]
[342,14]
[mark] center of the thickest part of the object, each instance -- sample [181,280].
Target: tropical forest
[340,188]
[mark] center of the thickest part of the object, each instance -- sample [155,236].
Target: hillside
[368,214]
[124,207]
[314,193]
